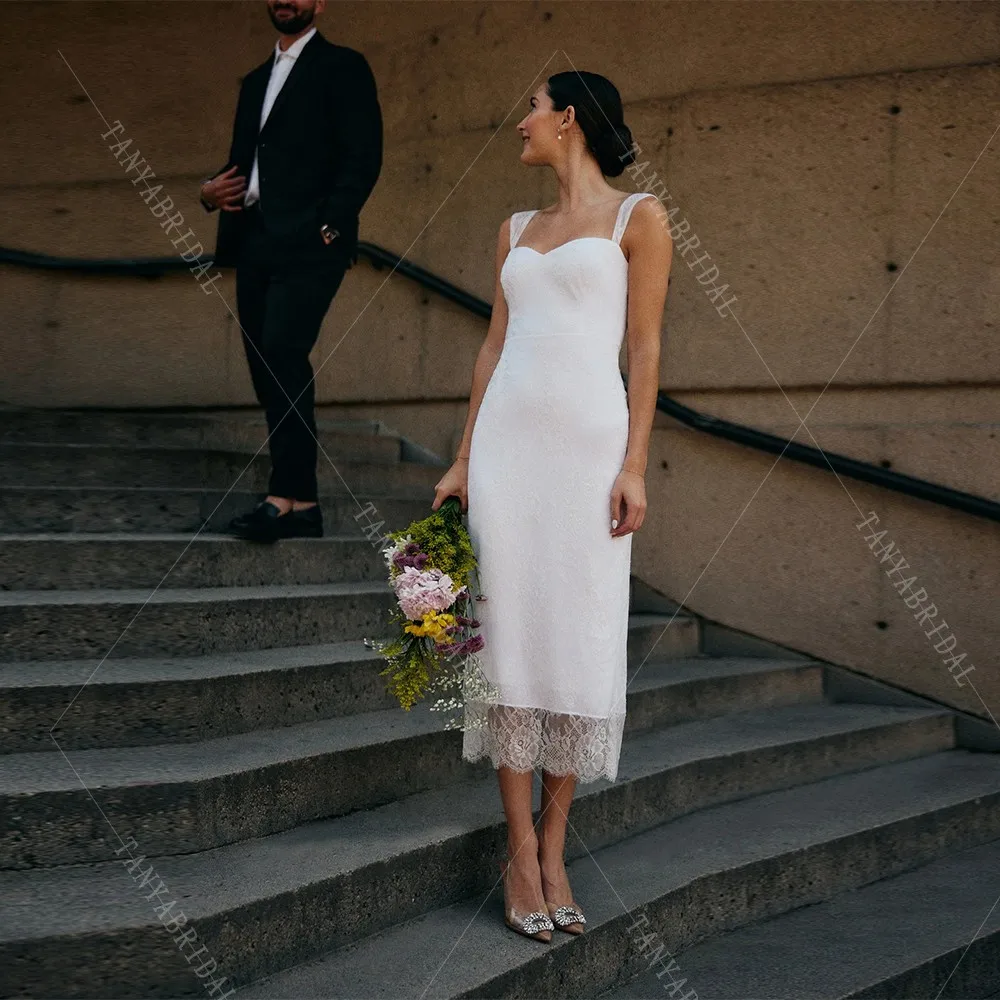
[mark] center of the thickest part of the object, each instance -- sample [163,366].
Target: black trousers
[282,295]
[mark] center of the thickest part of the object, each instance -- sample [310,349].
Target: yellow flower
[434,624]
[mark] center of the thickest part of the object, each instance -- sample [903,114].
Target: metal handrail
[969,503]
[380,258]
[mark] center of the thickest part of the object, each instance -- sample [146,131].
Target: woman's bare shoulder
[650,209]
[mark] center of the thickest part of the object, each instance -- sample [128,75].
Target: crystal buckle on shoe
[535,922]
[566,914]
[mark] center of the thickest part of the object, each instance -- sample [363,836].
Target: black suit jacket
[319,152]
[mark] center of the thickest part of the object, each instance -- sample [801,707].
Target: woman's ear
[569,115]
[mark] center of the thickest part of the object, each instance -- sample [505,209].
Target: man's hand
[225,191]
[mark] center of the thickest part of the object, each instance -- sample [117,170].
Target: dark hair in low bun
[598,107]
[614,150]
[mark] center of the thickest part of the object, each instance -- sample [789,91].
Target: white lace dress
[548,442]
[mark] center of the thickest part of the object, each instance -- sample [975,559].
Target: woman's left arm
[649,249]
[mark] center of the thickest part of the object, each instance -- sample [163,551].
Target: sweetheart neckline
[576,239]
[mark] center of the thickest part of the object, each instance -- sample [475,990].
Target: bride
[551,470]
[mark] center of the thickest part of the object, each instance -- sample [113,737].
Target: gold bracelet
[461,458]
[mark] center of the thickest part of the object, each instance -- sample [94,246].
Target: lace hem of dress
[523,739]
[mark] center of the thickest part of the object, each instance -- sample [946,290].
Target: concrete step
[261,905]
[669,691]
[28,509]
[70,624]
[56,561]
[676,884]
[192,797]
[189,797]
[111,465]
[652,635]
[139,701]
[361,440]
[932,932]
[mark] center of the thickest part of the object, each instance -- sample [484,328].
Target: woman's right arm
[455,481]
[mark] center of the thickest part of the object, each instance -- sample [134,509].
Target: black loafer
[306,523]
[266,523]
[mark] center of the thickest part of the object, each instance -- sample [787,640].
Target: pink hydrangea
[420,591]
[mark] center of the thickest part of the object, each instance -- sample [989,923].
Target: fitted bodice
[577,289]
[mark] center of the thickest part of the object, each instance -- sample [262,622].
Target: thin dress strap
[517,223]
[625,211]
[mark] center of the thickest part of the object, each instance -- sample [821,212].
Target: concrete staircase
[230,793]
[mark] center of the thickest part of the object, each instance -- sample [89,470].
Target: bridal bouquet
[434,651]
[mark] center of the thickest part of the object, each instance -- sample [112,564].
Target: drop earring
[558,135]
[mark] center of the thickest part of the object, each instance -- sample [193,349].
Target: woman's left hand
[628,503]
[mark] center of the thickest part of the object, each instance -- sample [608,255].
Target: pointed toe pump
[536,925]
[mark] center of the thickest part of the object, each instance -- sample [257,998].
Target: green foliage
[406,675]
[445,540]
[411,663]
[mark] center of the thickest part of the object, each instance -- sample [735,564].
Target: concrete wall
[831,158]
[775,551]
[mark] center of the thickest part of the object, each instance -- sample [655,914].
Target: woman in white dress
[551,471]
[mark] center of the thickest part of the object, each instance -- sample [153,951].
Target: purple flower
[472,645]
[414,558]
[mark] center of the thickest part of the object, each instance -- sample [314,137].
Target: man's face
[291,16]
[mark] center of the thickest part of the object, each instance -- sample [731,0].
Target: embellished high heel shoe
[566,916]
[536,925]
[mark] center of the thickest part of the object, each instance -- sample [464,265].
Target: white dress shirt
[284,60]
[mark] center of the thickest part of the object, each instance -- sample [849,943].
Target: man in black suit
[308,135]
